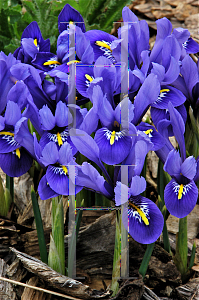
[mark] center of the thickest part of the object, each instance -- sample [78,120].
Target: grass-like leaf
[39,226]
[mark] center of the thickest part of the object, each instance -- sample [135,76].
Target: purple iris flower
[112,139]
[32,42]
[141,217]
[181,192]
[70,15]
[33,79]
[56,126]
[102,43]
[183,37]
[71,42]
[104,74]
[14,159]
[60,168]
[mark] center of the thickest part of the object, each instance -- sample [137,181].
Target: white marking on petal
[185,190]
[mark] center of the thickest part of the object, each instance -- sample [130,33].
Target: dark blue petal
[14,166]
[144,219]
[180,199]
[67,15]
[113,146]
[169,93]
[8,142]
[191,46]
[44,190]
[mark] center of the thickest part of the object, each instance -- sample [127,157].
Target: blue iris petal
[180,199]
[113,146]
[143,220]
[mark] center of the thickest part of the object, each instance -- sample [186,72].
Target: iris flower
[32,42]
[141,217]
[14,159]
[181,192]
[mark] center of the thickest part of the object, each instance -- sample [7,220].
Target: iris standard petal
[173,163]
[12,113]
[138,185]
[49,154]
[147,95]
[178,128]
[15,163]
[44,190]
[188,167]
[180,199]
[113,146]
[121,193]
[144,219]
[46,117]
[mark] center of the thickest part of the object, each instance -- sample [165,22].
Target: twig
[38,288]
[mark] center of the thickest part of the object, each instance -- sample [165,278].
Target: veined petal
[47,118]
[188,167]
[49,154]
[15,163]
[144,219]
[180,199]
[169,93]
[7,142]
[138,185]
[173,163]
[63,116]
[13,113]
[113,146]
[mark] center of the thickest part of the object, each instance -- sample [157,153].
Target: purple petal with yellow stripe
[143,220]
[113,146]
[180,199]
[15,163]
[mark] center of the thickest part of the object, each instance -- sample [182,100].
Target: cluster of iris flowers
[37,87]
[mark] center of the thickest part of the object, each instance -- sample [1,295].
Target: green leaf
[145,262]
[116,258]
[39,226]
[58,231]
[53,257]
[73,241]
